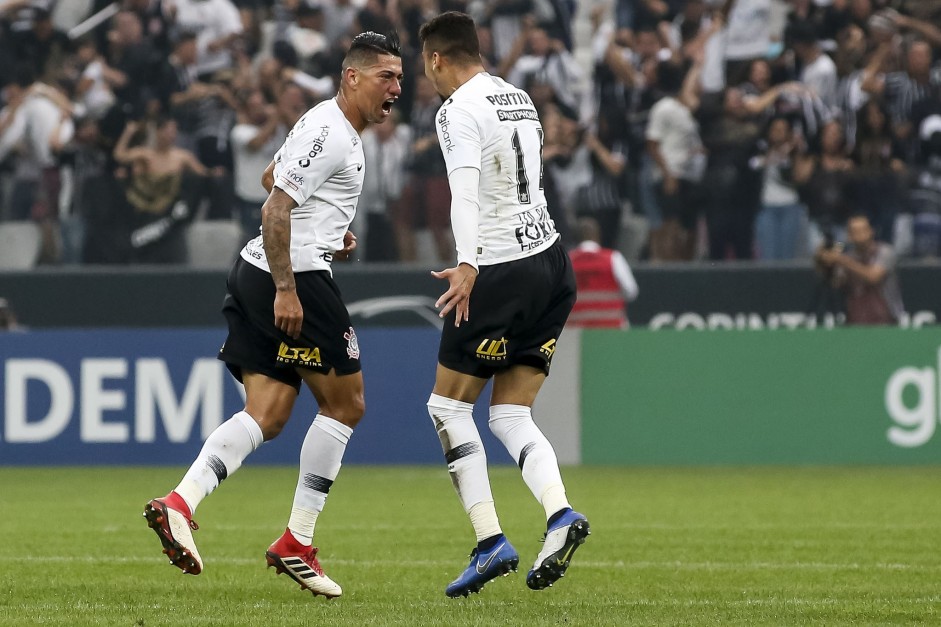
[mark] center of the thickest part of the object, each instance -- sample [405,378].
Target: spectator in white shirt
[37,121]
[549,60]
[258,135]
[93,93]
[217,25]
[386,149]
[819,71]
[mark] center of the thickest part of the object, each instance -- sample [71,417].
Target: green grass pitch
[694,546]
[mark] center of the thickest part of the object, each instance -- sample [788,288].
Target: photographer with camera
[865,273]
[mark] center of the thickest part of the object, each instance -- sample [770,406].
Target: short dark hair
[306,10]
[23,76]
[452,35]
[670,77]
[802,32]
[588,229]
[369,45]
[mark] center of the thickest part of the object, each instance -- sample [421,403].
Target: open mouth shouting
[387,106]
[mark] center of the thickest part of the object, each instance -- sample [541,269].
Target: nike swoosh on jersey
[486,565]
[359,166]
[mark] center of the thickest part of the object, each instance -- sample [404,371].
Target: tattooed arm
[267,177]
[276,226]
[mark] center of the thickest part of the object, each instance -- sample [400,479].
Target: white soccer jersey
[320,165]
[490,125]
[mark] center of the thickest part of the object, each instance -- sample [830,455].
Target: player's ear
[351,74]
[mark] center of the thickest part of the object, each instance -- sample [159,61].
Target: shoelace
[311,558]
[193,524]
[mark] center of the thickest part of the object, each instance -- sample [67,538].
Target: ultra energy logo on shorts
[299,355]
[492,350]
[548,349]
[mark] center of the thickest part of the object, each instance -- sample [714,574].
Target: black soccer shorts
[517,311]
[327,341]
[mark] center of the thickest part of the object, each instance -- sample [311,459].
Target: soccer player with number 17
[508,298]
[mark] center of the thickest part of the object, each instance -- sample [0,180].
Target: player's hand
[288,313]
[461,281]
[349,245]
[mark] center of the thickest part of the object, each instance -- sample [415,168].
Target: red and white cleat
[174,528]
[299,562]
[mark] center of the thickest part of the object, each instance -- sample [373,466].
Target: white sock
[467,462]
[321,457]
[221,455]
[514,425]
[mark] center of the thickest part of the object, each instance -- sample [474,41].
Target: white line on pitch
[619,565]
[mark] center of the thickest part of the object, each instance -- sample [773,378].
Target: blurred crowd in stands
[689,129]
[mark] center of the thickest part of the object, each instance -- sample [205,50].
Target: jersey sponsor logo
[510,99]
[492,350]
[352,344]
[299,356]
[292,178]
[548,349]
[443,124]
[252,248]
[515,115]
[316,147]
[535,228]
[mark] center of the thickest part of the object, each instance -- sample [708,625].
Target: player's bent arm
[276,226]
[465,210]
[12,129]
[267,177]
[193,164]
[122,153]
[653,149]
[872,274]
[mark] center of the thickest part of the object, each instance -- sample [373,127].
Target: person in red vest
[605,282]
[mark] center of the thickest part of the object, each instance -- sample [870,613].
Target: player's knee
[357,410]
[440,409]
[271,425]
[447,413]
[349,412]
[506,418]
